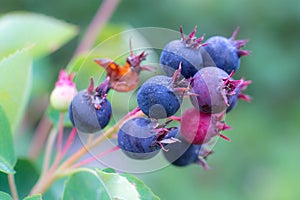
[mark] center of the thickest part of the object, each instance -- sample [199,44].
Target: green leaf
[144,191]
[90,184]
[118,186]
[34,197]
[5,196]
[46,34]
[7,153]
[85,184]
[15,84]
[25,177]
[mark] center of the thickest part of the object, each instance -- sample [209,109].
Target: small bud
[64,91]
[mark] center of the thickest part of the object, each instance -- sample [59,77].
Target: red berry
[198,127]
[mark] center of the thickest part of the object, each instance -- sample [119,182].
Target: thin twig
[69,141]
[60,133]
[58,156]
[12,186]
[100,19]
[46,180]
[44,183]
[81,152]
[92,158]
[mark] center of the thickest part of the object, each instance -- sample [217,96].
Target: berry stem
[81,152]
[49,176]
[12,186]
[58,156]
[60,133]
[224,137]
[175,118]
[92,158]
[44,182]
[69,142]
[49,147]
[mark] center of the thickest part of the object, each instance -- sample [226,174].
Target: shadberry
[226,52]
[212,87]
[90,110]
[183,153]
[198,128]
[233,99]
[185,51]
[141,138]
[161,96]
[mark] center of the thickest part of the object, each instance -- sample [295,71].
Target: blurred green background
[262,161]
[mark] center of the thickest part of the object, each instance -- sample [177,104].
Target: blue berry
[185,51]
[90,111]
[226,52]
[138,138]
[181,153]
[212,86]
[233,99]
[160,96]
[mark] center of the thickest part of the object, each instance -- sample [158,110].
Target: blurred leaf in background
[261,161]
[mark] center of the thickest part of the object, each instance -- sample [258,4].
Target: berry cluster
[200,71]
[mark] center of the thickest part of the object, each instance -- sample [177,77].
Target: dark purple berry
[183,153]
[185,51]
[233,99]
[90,111]
[141,138]
[226,52]
[161,96]
[212,87]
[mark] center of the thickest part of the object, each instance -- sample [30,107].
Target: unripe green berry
[63,93]
[61,97]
